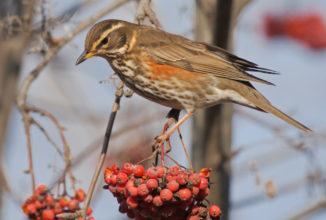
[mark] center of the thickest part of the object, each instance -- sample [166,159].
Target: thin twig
[115,108]
[144,10]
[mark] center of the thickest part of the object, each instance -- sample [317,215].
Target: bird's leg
[165,136]
[172,116]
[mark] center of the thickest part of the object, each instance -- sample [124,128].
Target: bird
[177,72]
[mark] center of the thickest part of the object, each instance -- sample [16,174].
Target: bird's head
[107,39]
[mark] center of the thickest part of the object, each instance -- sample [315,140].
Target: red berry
[121,190]
[138,170]
[73,205]
[57,208]
[148,198]
[80,195]
[132,190]
[113,179]
[127,168]
[174,170]
[48,214]
[122,178]
[194,179]
[203,183]
[184,194]
[31,209]
[193,217]
[182,178]
[115,168]
[160,172]
[63,202]
[107,178]
[169,177]
[202,194]
[38,204]
[195,190]
[214,211]
[143,190]
[157,201]
[132,202]
[41,190]
[49,200]
[113,189]
[173,185]
[152,173]
[166,194]
[152,184]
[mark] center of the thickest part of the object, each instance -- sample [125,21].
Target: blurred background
[273,170]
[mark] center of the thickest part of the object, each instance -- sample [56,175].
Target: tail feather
[267,107]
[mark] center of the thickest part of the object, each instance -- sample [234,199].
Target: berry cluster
[309,29]
[160,193]
[43,206]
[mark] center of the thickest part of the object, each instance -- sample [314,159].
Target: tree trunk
[211,134]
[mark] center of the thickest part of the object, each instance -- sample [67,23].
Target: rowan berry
[173,185]
[73,205]
[132,202]
[166,195]
[127,168]
[80,195]
[138,170]
[142,190]
[157,201]
[174,171]
[194,178]
[182,178]
[184,194]
[48,214]
[122,178]
[152,184]
[152,173]
[132,190]
[203,183]
[214,211]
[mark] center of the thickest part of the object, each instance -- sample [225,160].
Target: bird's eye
[104,41]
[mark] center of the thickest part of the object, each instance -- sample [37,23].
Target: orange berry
[48,214]
[80,195]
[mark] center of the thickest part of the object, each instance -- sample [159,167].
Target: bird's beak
[84,56]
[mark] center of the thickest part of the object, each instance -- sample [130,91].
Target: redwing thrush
[177,72]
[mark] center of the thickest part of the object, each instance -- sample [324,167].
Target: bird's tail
[268,107]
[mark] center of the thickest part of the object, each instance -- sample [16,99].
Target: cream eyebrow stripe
[133,40]
[104,34]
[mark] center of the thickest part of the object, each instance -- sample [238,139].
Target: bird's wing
[202,58]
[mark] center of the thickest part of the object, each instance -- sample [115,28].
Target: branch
[144,10]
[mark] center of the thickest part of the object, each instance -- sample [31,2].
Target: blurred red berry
[31,209]
[182,178]
[148,198]
[57,208]
[127,168]
[49,200]
[195,190]
[138,170]
[194,178]
[152,184]
[113,179]
[169,177]
[173,185]
[107,178]
[80,195]
[122,178]
[63,202]
[203,183]
[152,173]
[142,190]
[132,202]
[73,204]
[48,214]
[184,194]
[160,171]
[174,171]
[166,195]
[41,190]
[214,211]
[157,201]
[132,191]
